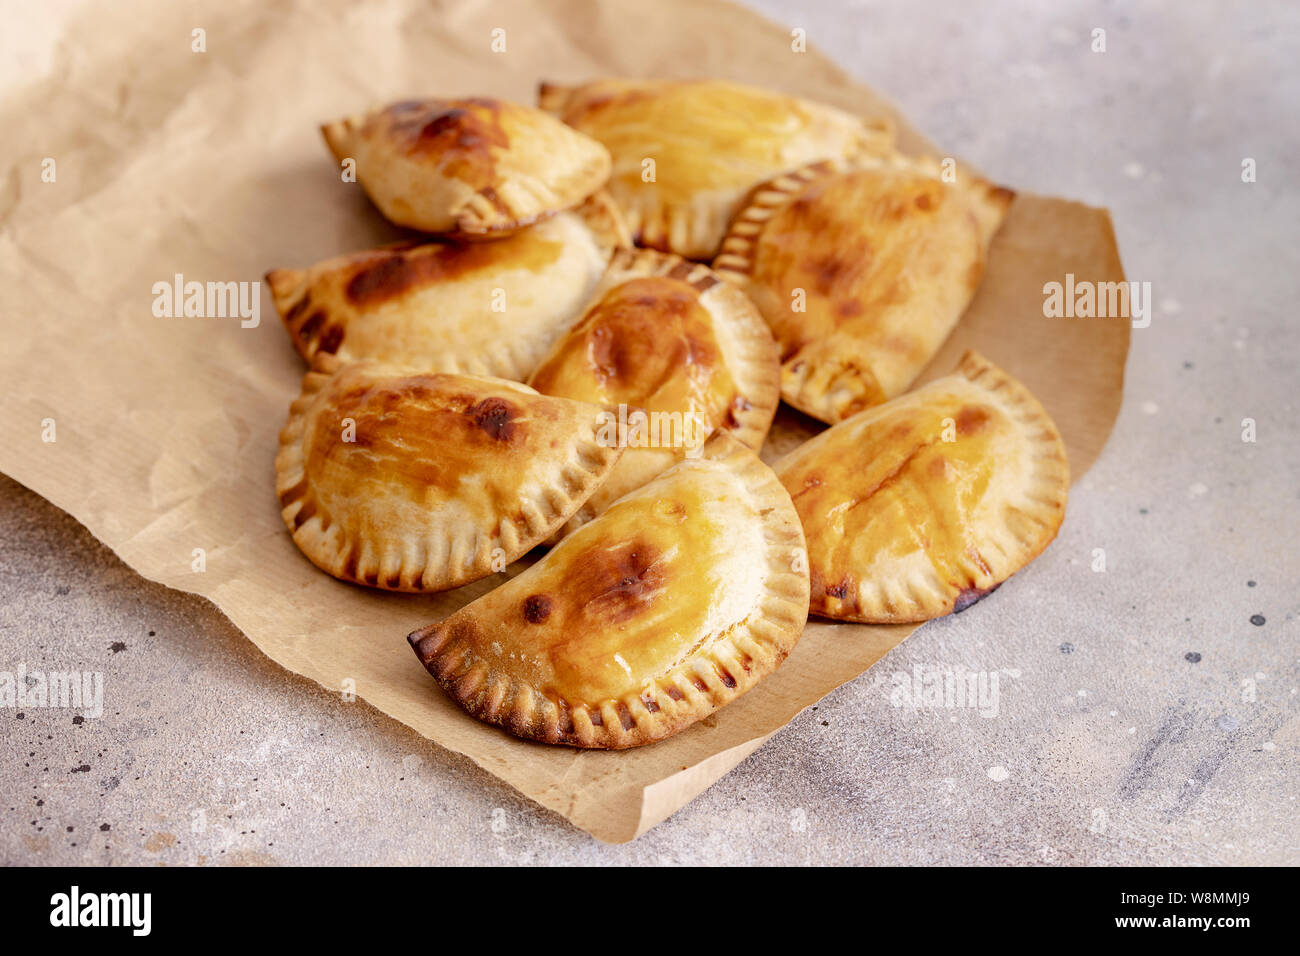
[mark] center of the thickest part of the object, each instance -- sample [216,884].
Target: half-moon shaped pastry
[416,481]
[482,308]
[675,601]
[862,270]
[686,152]
[921,506]
[676,354]
[475,168]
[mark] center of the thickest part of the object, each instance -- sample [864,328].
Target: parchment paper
[210,165]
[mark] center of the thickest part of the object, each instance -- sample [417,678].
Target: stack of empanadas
[553,365]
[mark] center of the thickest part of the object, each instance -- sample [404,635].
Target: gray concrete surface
[1141,716]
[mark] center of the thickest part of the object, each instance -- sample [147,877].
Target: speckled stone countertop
[1147,713]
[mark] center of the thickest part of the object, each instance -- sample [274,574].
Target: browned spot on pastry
[625,716]
[898,431]
[650,705]
[738,404]
[304,513]
[647,343]
[923,201]
[564,719]
[394,580]
[842,590]
[494,416]
[537,608]
[971,418]
[809,483]
[849,308]
[1000,194]
[460,136]
[827,270]
[699,683]
[293,494]
[727,679]
[350,563]
[492,196]
[969,596]
[596,719]
[614,584]
[674,693]
[389,273]
[297,309]
[331,339]
[308,328]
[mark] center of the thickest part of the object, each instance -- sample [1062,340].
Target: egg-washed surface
[483,308]
[686,152]
[664,340]
[862,270]
[920,506]
[676,600]
[416,481]
[474,167]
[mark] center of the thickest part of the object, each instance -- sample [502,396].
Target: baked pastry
[675,601]
[415,481]
[475,168]
[922,505]
[676,354]
[686,152]
[483,308]
[862,269]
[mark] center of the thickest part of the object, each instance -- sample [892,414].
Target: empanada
[416,481]
[862,270]
[686,152]
[675,601]
[474,168]
[922,505]
[482,308]
[677,354]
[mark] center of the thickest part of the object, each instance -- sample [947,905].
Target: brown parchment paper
[210,165]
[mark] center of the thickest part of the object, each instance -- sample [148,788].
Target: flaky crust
[862,268]
[472,168]
[443,479]
[711,141]
[737,345]
[478,308]
[586,647]
[918,507]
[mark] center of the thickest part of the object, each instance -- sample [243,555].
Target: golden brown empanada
[686,152]
[919,507]
[862,270]
[482,308]
[666,340]
[474,168]
[416,481]
[675,601]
